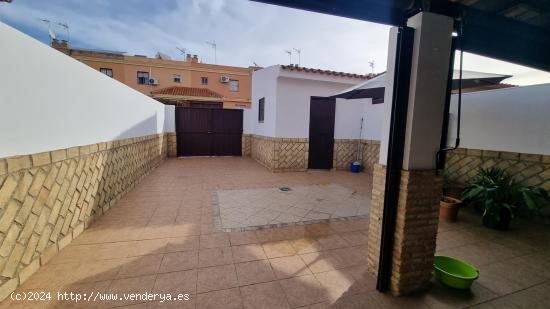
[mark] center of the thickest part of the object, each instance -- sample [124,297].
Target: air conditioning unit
[224,79]
[153,81]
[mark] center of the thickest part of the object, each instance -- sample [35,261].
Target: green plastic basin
[454,273]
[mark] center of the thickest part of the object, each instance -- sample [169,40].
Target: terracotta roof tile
[327,72]
[187,92]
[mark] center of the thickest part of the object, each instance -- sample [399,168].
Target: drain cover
[284,189]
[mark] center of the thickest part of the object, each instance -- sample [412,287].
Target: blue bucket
[355,167]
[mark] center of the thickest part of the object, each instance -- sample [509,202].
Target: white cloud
[244,31]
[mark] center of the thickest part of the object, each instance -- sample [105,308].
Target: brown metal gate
[209,132]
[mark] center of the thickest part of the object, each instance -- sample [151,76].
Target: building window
[108,72]
[177,78]
[143,78]
[204,80]
[234,85]
[261,109]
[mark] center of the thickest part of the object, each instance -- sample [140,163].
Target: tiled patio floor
[162,238]
[249,209]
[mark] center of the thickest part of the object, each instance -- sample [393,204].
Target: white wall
[511,119]
[264,85]
[50,101]
[293,103]
[169,118]
[372,125]
[348,117]
[287,97]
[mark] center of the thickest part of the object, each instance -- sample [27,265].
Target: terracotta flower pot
[448,210]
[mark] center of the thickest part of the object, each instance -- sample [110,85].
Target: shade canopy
[374,87]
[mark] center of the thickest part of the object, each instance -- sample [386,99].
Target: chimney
[192,59]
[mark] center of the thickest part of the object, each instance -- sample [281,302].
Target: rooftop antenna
[213,45]
[50,31]
[255,64]
[298,51]
[371,64]
[182,51]
[289,52]
[65,25]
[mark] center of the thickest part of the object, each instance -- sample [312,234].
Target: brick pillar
[415,228]
[375,223]
[172,144]
[414,237]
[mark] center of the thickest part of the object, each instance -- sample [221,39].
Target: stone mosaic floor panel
[262,207]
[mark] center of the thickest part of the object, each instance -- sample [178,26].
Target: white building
[495,122]
[279,139]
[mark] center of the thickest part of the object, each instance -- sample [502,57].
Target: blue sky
[244,31]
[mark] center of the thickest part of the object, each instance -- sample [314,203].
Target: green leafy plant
[499,195]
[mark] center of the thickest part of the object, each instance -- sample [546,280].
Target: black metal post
[396,144]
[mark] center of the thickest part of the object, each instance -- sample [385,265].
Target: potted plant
[448,208]
[499,197]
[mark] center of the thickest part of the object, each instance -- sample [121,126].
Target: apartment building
[171,81]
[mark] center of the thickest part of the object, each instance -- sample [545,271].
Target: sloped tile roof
[326,72]
[187,92]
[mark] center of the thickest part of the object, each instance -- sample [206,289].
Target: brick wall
[47,199]
[280,154]
[262,148]
[530,169]
[415,228]
[291,154]
[371,153]
[345,152]
[172,144]
[246,145]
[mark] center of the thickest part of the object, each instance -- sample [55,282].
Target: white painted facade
[287,100]
[510,119]
[349,116]
[264,85]
[50,101]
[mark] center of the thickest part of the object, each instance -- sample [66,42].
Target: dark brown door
[209,132]
[321,132]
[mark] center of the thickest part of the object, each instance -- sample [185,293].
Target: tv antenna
[65,25]
[50,31]
[289,52]
[298,51]
[371,64]
[213,45]
[182,51]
